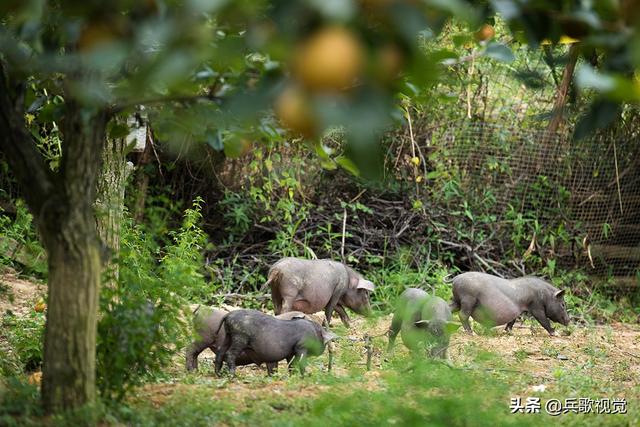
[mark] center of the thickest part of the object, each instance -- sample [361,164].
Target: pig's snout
[366,310]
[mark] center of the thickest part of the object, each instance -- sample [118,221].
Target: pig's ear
[365,284]
[451,327]
[422,323]
[328,336]
[354,277]
[559,294]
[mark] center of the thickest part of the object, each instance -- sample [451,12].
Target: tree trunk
[68,229]
[561,97]
[68,379]
[110,200]
[62,206]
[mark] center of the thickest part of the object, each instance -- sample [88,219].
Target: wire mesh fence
[590,187]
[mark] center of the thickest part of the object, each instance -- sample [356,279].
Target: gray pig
[495,301]
[206,322]
[310,286]
[267,339]
[422,320]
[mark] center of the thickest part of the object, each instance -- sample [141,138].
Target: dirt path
[18,295]
[528,359]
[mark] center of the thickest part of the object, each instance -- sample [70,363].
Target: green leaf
[323,151]
[461,39]
[214,139]
[599,115]
[118,130]
[329,165]
[531,78]
[347,164]
[234,145]
[588,77]
[499,52]
[51,113]
[36,104]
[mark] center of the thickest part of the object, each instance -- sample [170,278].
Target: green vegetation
[448,136]
[399,390]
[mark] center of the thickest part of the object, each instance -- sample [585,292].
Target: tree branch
[161,100]
[27,164]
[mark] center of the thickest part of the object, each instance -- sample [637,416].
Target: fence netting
[590,187]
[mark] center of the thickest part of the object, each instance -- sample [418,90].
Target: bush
[143,316]
[19,244]
[399,275]
[25,338]
[18,398]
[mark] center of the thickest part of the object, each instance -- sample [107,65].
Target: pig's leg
[343,315]
[287,305]
[290,364]
[455,304]
[396,325]
[271,368]
[276,298]
[220,355]
[439,351]
[230,359]
[288,293]
[328,311]
[540,316]
[510,325]
[194,349]
[467,304]
[300,360]
[238,344]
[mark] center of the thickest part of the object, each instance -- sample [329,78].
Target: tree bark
[69,234]
[68,379]
[62,205]
[110,201]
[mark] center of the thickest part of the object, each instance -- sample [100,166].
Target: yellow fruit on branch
[486,32]
[294,111]
[331,59]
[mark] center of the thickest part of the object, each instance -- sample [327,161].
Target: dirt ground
[528,359]
[18,295]
[528,356]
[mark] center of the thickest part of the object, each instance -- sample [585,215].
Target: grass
[484,373]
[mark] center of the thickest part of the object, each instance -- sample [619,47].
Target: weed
[19,244]
[24,337]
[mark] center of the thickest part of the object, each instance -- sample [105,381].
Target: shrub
[143,316]
[19,244]
[18,398]
[25,337]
